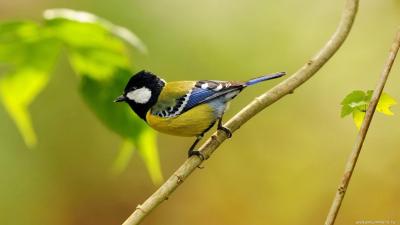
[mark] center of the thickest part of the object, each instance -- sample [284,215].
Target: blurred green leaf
[88,18]
[123,157]
[92,49]
[147,147]
[28,53]
[357,103]
[98,55]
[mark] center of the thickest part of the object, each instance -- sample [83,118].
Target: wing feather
[175,99]
[208,90]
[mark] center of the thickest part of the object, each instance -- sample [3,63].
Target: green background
[282,167]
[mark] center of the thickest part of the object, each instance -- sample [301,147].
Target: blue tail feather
[264,78]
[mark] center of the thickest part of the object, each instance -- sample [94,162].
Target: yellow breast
[190,123]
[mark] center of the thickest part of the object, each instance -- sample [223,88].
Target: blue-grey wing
[208,90]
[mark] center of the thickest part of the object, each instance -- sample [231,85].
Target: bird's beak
[121,98]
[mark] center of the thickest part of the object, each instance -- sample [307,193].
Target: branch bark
[352,160]
[254,107]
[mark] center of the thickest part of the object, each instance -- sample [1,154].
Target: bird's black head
[142,92]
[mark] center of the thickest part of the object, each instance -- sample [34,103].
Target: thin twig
[260,103]
[352,160]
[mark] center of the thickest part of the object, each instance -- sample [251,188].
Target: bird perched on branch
[183,108]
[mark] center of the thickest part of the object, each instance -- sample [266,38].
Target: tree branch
[352,160]
[258,104]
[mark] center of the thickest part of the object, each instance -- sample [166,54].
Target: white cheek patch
[141,95]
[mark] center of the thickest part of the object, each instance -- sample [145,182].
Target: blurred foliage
[357,102]
[97,53]
[28,53]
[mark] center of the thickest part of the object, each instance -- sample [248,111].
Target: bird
[183,108]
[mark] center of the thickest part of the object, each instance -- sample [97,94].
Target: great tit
[183,108]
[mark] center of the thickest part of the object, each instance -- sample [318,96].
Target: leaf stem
[352,160]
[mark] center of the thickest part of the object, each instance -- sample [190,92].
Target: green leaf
[28,54]
[98,55]
[354,96]
[124,155]
[148,150]
[358,118]
[346,110]
[353,100]
[357,103]
[88,18]
[16,97]
[92,49]
[384,104]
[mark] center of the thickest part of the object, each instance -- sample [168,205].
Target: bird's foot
[226,130]
[197,153]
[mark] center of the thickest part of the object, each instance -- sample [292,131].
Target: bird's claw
[226,130]
[197,153]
